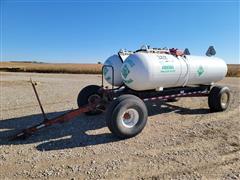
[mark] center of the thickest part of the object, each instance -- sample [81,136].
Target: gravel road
[181,140]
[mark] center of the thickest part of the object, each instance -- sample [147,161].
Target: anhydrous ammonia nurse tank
[115,61]
[151,69]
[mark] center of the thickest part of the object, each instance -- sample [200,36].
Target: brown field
[233,69]
[51,68]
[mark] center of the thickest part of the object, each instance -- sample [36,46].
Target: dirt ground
[181,140]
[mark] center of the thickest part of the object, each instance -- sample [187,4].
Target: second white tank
[148,71]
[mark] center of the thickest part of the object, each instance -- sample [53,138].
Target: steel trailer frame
[109,95]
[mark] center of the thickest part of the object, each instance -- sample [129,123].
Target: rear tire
[126,116]
[84,97]
[219,98]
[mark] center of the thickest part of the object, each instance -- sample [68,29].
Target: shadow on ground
[161,107]
[75,133]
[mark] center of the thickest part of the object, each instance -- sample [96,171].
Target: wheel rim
[224,99]
[130,118]
[93,99]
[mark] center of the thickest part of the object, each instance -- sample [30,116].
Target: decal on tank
[167,68]
[128,81]
[200,71]
[130,62]
[161,57]
[125,71]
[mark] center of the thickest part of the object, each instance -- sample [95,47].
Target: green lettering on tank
[125,71]
[168,68]
[200,71]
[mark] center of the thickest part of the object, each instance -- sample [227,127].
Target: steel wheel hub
[93,99]
[130,118]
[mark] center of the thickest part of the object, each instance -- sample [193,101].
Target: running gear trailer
[125,110]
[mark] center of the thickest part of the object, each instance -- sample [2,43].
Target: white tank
[116,62]
[148,71]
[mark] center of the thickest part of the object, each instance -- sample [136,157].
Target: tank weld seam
[180,72]
[188,72]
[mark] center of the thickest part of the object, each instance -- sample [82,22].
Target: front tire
[127,116]
[85,95]
[219,98]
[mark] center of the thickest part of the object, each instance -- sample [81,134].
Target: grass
[233,69]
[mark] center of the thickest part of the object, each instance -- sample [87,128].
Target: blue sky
[90,31]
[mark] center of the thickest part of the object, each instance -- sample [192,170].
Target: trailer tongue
[92,105]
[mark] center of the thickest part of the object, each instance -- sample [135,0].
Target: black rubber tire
[84,95]
[115,111]
[112,106]
[215,99]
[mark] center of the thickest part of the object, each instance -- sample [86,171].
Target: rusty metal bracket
[38,99]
